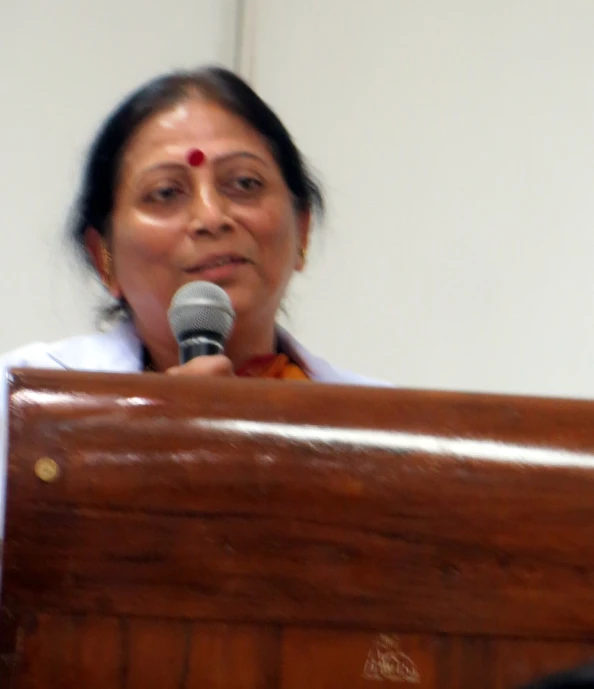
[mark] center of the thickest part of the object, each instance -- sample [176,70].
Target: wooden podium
[240,534]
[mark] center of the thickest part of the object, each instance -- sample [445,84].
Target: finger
[218,365]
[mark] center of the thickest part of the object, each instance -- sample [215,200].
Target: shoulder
[117,350]
[321,370]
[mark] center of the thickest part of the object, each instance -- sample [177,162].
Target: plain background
[455,142]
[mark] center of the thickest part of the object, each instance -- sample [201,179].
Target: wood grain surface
[248,533]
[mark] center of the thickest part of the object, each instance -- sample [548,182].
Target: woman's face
[230,220]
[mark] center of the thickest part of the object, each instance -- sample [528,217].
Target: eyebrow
[216,159]
[237,154]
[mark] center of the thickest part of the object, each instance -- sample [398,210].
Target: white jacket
[120,351]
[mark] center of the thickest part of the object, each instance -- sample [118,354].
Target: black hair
[578,678]
[94,204]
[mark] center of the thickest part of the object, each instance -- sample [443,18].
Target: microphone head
[200,307]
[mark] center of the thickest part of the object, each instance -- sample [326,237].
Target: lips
[218,261]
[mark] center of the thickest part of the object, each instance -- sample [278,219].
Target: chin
[251,308]
[243,304]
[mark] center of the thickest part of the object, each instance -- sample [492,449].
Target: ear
[303,230]
[100,256]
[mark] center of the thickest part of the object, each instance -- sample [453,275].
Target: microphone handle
[199,345]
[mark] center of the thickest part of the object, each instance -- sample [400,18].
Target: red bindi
[196,157]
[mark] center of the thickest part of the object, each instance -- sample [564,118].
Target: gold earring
[107,261]
[303,253]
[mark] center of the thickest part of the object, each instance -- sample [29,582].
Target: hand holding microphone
[201,318]
[215,365]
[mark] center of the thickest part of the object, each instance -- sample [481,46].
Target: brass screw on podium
[47,470]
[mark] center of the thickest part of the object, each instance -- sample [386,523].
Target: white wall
[63,65]
[456,142]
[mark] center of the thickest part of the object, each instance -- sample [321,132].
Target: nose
[208,212]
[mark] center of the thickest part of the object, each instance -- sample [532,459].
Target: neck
[244,343]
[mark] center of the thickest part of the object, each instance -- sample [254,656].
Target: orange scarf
[272,366]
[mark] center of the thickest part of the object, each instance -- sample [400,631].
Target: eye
[245,184]
[164,195]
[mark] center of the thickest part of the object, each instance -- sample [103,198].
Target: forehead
[192,124]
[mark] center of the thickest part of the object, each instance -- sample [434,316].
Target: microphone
[201,318]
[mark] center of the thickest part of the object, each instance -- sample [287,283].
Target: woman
[193,177]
